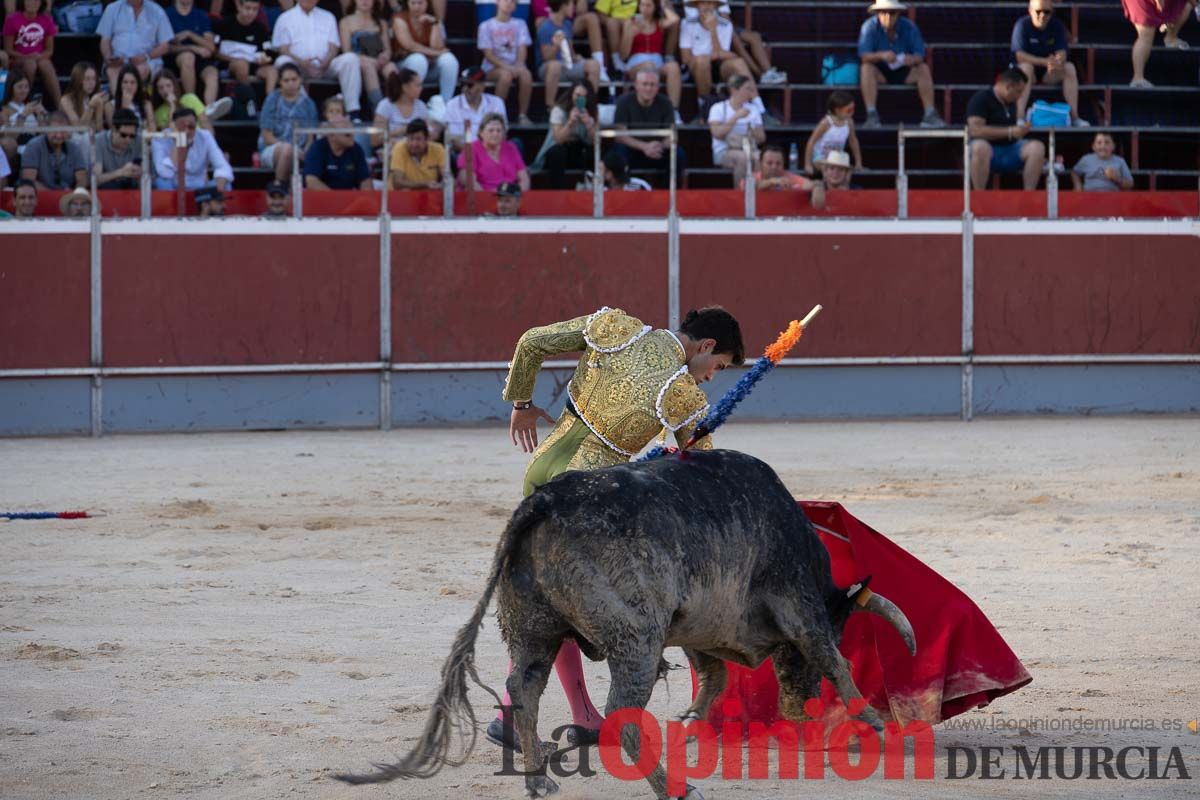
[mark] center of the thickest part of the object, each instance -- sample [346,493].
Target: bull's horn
[878,604]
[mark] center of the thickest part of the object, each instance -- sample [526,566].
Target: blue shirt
[346,171]
[1027,38]
[872,38]
[135,36]
[196,21]
[279,116]
[545,35]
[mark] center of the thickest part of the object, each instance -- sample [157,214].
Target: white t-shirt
[504,39]
[308,35]
[458,111]
[395,117]
[723,112]
[693,36]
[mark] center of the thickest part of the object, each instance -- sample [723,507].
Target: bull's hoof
[539,786]
[689,716]
[693,793]
[872,718]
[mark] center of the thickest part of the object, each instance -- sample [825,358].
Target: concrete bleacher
[1157,130]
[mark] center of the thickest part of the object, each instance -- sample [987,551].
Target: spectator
[83,103]
[705,43]
[555,54]
[494,160]
[613,15]
[365,35]
[835,132]
[52,160]
[644,107]
[5,170]
[25,199]
[644,45]
[616,175]
[285,108]
[192,51]
[131,95]
[1039,48]
[335,161]
[570,142]
[508,200]
[202,154]
[210,202]
[75,204]
[134,33]
[167,94]
[279,202]
[996,133]
[731,122]
[421,38]
[334,111]
[118,156]
[402,105]
[773,177]
[503,42]
[582,22]
[417,163]
[29,43]
[17,110]
[244,41]
[835,174]
[308,36]
[465,112]
[1101,170]
[1148,16]
[892,51]
[747,45]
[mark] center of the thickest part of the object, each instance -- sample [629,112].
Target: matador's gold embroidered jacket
[631,383]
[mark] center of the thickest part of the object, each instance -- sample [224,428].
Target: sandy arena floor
[259,610]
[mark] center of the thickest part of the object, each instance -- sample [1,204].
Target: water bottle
[564,47]
[251,109]
[794,158]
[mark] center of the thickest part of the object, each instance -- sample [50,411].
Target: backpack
[1050,115]
[839,70]
[82,16]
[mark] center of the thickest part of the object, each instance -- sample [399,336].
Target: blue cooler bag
[839,70]
[1050,115]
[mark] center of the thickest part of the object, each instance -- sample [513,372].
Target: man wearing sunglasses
[1039,47]
[118,153]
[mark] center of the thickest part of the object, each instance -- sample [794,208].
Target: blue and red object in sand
[45,515]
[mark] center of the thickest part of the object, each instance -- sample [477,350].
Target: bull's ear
[856,591]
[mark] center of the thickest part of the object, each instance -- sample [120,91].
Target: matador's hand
[522,427]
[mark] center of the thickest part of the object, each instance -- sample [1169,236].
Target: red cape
[961,662]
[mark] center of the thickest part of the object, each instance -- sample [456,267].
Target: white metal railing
[902,136]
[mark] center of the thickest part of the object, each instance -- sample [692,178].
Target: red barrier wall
[462,297]
[1077,294]
[886,295]
[694,203]
[204,299]
[45,301]
[191,300]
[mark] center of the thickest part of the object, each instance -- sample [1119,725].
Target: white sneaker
[1080,122]
[219,108]
[604,79]
[1142,84]
[772,77]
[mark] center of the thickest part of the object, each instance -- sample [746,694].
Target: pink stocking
[569,666]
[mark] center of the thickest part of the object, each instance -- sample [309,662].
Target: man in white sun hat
[892,51]
[835,174]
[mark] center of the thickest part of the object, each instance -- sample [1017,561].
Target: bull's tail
[451,716]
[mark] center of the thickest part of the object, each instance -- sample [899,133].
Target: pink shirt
[489,172]
[29,35]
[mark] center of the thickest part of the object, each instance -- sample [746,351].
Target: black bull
[708,552]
